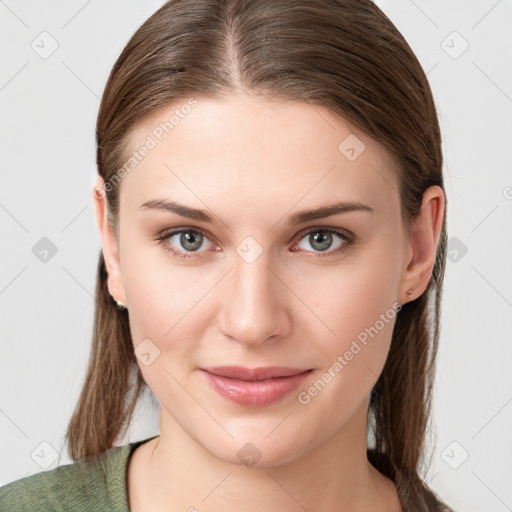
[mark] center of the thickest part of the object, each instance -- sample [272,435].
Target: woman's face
[259,286]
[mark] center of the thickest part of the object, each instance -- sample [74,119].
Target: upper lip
[261,373]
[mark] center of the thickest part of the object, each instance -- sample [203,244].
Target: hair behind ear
[105,406]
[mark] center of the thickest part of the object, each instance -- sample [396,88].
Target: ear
[109,243]
[422,244]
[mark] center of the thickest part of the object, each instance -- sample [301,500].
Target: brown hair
[345,55]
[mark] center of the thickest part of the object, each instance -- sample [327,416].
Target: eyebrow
[297,218]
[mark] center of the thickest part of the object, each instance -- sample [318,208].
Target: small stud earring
[120,305]
[409,292]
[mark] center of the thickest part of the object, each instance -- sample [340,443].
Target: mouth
[252,374]
[255,387]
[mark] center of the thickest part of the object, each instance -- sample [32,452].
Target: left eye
[322,239]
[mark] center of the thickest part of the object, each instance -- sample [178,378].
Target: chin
[257,452]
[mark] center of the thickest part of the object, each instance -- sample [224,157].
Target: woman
[271,208]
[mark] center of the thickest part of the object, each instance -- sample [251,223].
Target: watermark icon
[454,455]
[44,249]
[454,45]
[146,352]
[44,45]
[249,249]
[304,397]
[457,249]
[351,147]
[249,454]
[44,454]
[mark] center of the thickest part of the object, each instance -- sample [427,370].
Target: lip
[255,387]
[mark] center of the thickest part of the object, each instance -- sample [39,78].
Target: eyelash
[347,238]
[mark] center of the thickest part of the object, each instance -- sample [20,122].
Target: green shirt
[90,484]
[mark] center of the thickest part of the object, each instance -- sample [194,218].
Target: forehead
[256,151]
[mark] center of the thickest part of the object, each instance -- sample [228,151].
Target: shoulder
[96,480]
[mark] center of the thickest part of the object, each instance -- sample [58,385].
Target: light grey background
[49,105]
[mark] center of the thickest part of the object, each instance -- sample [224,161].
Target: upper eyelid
[325,228]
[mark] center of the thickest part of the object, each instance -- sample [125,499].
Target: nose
[256,305]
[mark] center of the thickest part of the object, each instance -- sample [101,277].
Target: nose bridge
[255,307]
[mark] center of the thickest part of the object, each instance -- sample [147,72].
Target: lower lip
[255,393]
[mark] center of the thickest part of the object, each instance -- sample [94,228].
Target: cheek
[170,306]
[360,314]
[343,301]
[162,296]
[353,312]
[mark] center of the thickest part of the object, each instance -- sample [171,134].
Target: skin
[254,162]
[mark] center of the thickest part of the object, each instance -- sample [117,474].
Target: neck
[177,473]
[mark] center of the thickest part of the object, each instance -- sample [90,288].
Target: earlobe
[423,242]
